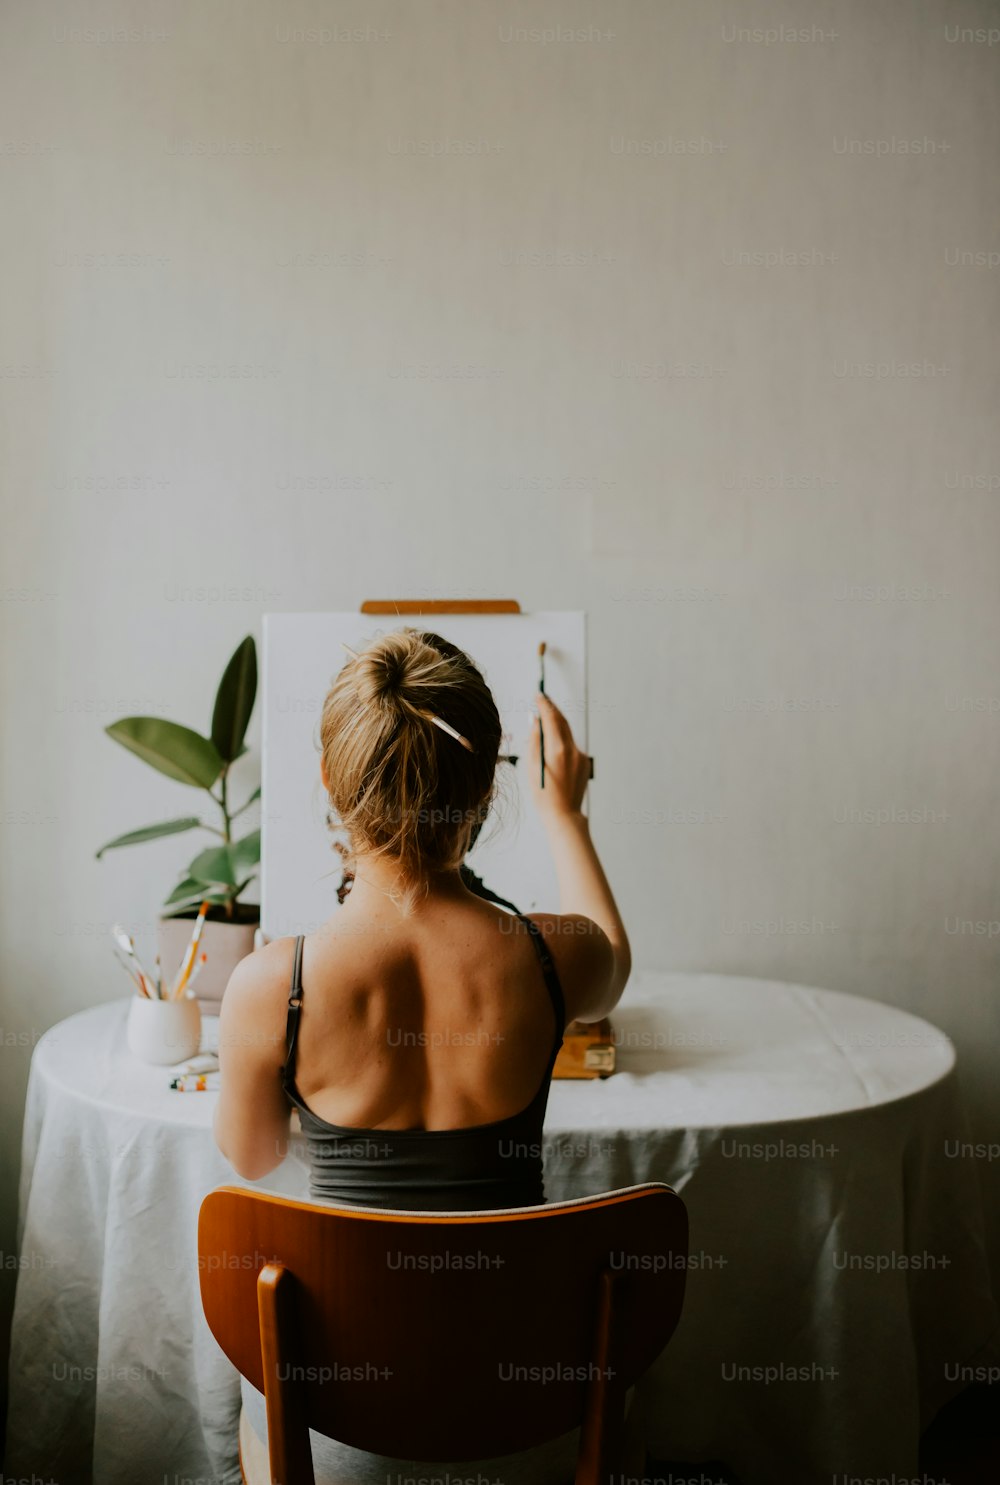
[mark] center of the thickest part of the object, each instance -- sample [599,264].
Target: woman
[416,1030]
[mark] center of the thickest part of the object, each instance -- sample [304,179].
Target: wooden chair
[443,1336]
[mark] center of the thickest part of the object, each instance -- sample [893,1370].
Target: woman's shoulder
[265,965]
[259,986]
[583,957]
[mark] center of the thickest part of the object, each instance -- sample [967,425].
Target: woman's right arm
[601,958]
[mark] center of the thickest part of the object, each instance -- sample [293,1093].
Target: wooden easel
[440,606]
[588,1051]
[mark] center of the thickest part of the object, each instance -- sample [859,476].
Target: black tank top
[437,1170]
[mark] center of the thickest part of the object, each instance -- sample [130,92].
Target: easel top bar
[440,606]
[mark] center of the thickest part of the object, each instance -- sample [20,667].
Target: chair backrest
[447,1336]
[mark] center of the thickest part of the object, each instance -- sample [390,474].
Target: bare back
[436,1021]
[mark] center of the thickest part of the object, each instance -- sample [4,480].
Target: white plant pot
[164,1031]
[224,944]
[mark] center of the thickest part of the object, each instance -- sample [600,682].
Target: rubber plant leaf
[234,701]
[177,751]
[150,832]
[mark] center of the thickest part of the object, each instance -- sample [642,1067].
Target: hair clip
[447,727]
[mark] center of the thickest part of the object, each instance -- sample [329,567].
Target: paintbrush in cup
[196,971]
[188,962]
[127,967]
[127,947]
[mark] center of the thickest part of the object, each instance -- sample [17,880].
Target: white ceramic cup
[164,1031]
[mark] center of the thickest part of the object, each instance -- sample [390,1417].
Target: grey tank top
[481,1167]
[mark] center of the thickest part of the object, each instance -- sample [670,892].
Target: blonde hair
[400,784]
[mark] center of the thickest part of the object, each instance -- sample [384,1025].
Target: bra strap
[294,1006]
[551,975]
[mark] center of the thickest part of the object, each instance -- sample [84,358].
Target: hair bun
[386,667]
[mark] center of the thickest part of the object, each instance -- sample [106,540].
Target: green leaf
[176,908]
[150,832]
[234,701]
[214,866]
[245,854]
[241,887]
[177,751]
[186,891]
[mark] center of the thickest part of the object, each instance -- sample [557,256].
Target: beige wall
[789,563]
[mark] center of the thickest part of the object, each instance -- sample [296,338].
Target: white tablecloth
[837,1275]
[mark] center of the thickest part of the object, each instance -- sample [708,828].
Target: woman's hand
[567,769]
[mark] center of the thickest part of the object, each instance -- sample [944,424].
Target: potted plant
[222,872]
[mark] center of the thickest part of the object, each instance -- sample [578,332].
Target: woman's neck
[376,878]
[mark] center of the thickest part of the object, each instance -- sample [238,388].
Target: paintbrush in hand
[541,729]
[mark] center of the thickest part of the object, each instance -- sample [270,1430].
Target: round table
[836,1280]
